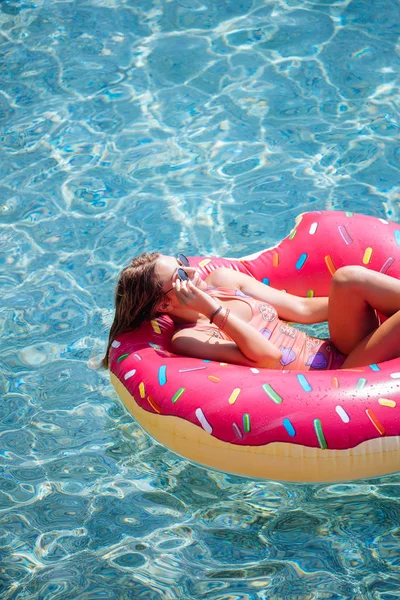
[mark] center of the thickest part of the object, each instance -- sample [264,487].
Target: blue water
[195,126]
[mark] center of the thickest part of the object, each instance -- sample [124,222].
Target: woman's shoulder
[223,277]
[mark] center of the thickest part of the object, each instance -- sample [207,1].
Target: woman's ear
[165,305]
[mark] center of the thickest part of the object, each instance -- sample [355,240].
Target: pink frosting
[323,409]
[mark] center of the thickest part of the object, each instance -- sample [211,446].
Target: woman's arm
[289,307]
[249,346]
[315,310]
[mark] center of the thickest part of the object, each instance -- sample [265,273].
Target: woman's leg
[380,345]
[356,295]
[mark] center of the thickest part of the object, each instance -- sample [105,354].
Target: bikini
[300,351]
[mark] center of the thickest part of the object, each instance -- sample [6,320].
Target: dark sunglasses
[183,276]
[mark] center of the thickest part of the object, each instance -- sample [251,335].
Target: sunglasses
[183,276]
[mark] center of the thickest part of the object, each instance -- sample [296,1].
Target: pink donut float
[283,425]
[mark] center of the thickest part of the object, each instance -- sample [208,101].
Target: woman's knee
[350,276]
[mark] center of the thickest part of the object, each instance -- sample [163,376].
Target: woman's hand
[193,298]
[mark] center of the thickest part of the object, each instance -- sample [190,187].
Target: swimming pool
[201,127]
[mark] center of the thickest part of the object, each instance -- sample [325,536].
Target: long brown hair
[137,296]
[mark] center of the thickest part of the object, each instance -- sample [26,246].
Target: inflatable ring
[262,423]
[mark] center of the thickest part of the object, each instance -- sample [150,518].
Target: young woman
[231,317]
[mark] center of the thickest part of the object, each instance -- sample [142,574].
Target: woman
[231,317]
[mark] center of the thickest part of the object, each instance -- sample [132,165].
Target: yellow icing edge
[279,461]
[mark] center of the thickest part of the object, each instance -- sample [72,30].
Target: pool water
[195,126]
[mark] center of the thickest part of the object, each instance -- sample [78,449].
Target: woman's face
[167,272]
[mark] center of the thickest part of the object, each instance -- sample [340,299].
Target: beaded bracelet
[215,313]
[224,320]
